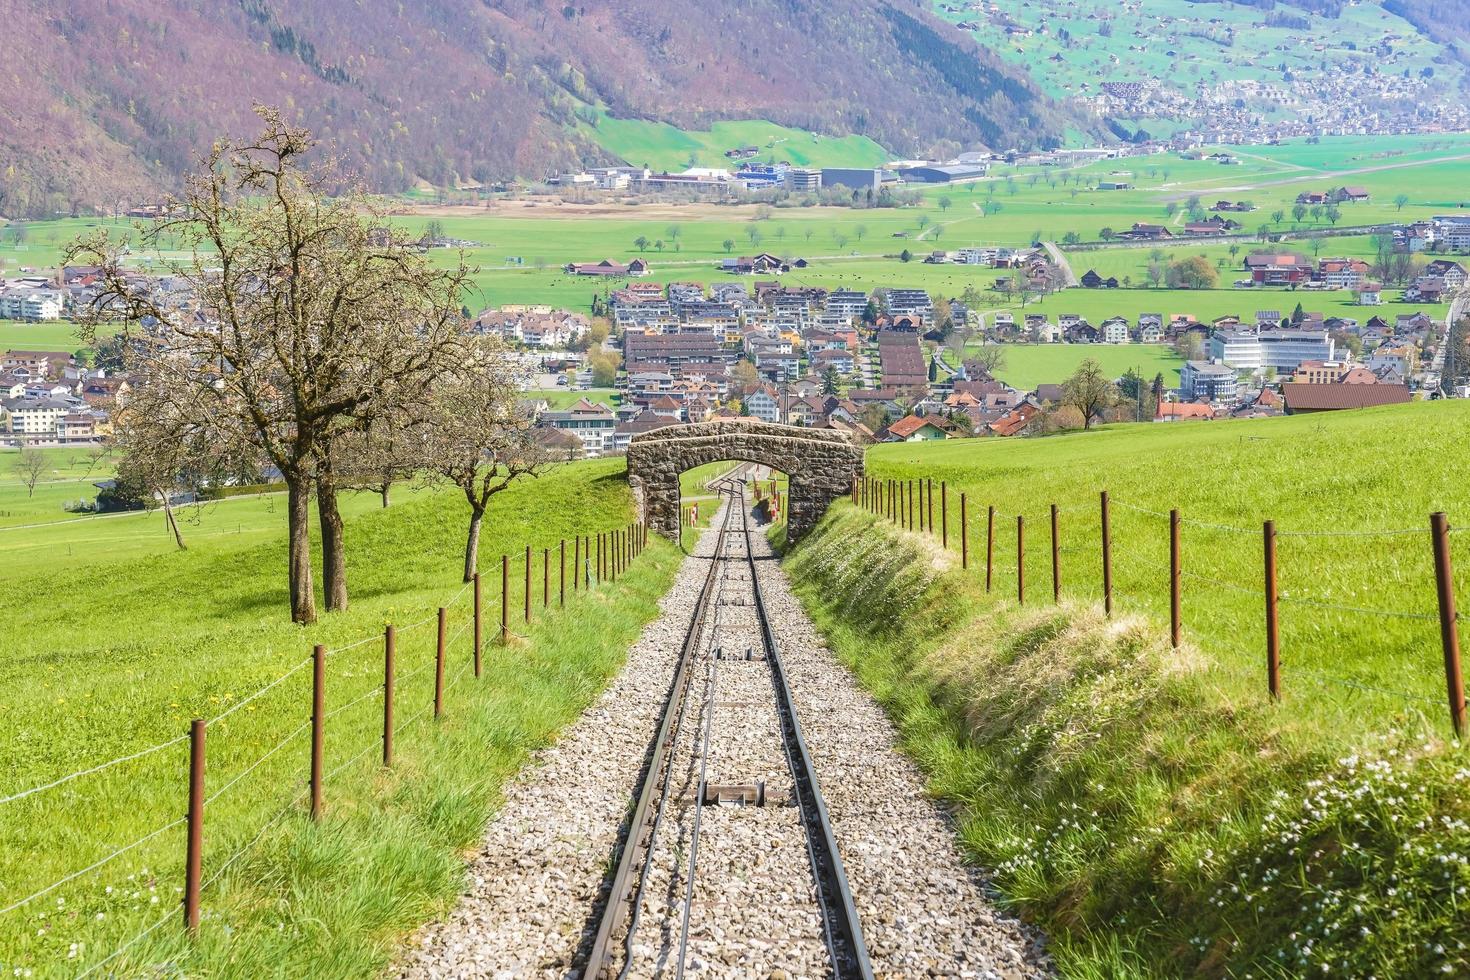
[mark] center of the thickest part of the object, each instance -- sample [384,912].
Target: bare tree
[991,358]
[163,451]
[479,438]
[387,450]
[30,466]
[309,316]
[1089,391]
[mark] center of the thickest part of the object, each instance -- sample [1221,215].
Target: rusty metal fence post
[1448,628]
[1056,559]
[576,561]
[439,666]
[545,577]
[1174,575]
[526,598]
[562,574]
[318,721]
[1273,633]
[390,650]
[964,534]
[504,600]
[929,507]
[194,846]
[1107,555]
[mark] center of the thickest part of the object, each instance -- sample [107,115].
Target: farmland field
[666,147]
[1028,365]
[520,245]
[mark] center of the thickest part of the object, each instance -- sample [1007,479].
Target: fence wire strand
[98,768]
[1324,604]
[93,866]
[244,701]
[137,938]
[257,763]
[240,851]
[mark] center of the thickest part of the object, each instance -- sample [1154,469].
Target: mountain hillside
[105,101]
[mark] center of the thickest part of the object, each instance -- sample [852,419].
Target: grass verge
[1152,812]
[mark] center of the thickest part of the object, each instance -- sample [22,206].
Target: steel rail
[840,921]
[641,825]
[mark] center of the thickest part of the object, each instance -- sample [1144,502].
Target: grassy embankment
[1151,808]
[117,645]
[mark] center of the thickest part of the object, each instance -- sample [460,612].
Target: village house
[1303,399]
[1452,273]
[1278,268]
[608,268]
[1201,380]
[914,428]
[1114,330]
[591,423]
[1182,411]
[1342,273]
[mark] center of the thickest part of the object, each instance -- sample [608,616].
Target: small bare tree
[30,466]
[1089,391]
[162,450]
[308,317]
[385,451]
[479,437]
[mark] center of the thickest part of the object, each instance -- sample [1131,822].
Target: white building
[1115,330]
[34,418]
[1454,231]
[31,303]
[1284,350]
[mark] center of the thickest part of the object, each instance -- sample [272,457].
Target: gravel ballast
[535,883]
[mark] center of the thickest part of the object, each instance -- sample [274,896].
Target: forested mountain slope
[107,100]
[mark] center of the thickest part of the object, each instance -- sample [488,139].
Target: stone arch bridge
[821,465]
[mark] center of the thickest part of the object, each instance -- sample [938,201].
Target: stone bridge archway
[821,465]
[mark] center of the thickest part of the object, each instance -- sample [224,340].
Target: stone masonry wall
[821,465]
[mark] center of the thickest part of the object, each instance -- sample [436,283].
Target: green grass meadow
[1152,809]
[121,641]
[1028,365]
[519,251]
[666,147]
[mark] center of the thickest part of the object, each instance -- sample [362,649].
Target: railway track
[729,852]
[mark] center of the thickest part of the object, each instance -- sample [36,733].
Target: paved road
[1060,261]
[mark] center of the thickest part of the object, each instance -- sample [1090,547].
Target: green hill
[1152,808]
[118,639]
[1198,46]
[666,147]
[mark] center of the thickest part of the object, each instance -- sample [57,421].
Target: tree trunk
[383,491]
[173,522]
[298,510]
[472,546]
[334,557]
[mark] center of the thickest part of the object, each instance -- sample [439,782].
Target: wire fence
[1152,571]
[609,554]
